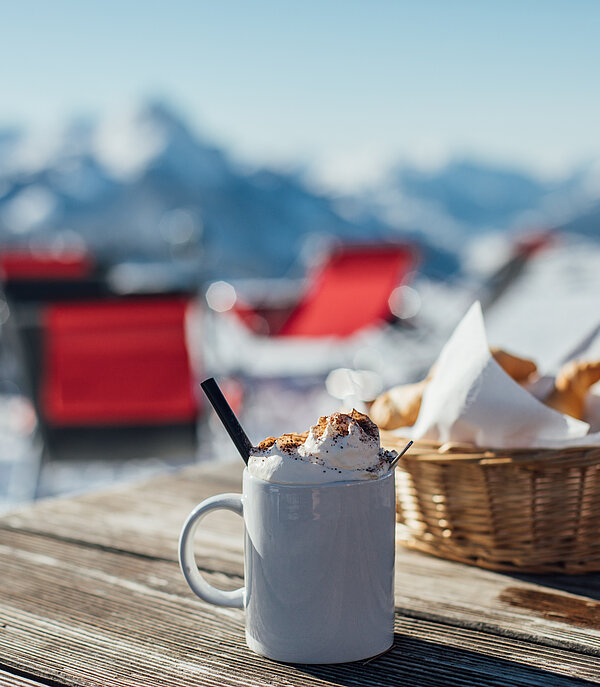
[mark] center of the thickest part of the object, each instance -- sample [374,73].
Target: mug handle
[187,561]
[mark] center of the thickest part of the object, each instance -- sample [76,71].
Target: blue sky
[347,86]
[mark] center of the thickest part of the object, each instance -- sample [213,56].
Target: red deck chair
[351,291]
[17,265]
[117,363]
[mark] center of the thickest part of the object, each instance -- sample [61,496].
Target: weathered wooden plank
[413,661]
[145,519]
[428,587]
[13,680]
[84,616]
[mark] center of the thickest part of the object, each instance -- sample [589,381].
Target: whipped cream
[338,448]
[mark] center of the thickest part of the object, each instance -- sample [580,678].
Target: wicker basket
[526,510]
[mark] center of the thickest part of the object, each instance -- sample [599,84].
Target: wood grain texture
[98,618]
[92,595]
[12,680]
[146,520]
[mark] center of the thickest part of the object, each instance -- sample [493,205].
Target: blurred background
[300,200]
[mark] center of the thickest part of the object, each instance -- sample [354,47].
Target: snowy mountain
[146,186]
[472,193]
[466,199]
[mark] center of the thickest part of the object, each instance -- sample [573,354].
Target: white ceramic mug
[319,567]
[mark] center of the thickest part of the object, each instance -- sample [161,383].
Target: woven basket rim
[454,452]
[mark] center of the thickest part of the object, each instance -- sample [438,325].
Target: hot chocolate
[340,447]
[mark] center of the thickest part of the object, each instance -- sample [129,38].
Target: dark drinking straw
[227,417]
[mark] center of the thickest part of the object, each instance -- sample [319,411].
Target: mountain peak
[161,113]
[154,137]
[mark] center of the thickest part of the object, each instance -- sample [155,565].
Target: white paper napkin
[471,399]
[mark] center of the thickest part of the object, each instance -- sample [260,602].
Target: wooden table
[91,594]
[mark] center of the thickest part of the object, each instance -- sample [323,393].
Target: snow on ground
[552,307]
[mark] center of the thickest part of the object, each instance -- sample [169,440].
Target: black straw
[397,458]
[227,417]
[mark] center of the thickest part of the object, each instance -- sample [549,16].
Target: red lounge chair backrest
[115,363]
[351,291]
[18,265]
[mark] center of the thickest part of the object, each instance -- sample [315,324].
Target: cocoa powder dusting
[266,444]
[320,426]
[366,424]
[340,423]
[290,442]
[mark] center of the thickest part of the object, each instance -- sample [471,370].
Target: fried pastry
[571,387]
[400,405]
[520,369]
